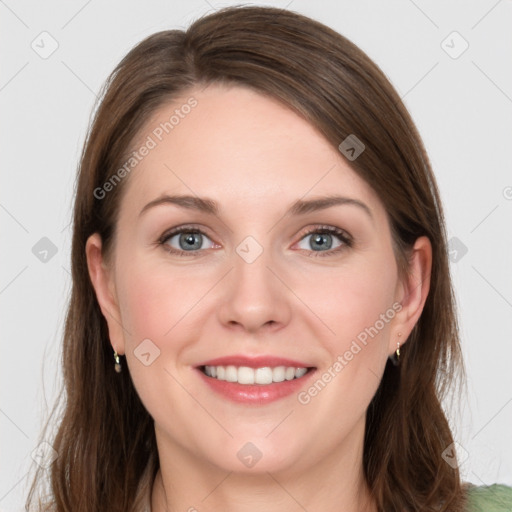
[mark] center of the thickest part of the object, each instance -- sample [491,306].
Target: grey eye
[188,241]
[319,241]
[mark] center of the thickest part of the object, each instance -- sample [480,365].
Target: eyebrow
[299,207]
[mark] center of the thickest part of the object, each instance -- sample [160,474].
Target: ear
[412,292]
[104,286]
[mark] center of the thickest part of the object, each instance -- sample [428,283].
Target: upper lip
[255,362]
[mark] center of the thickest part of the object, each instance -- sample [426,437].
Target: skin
[254,157]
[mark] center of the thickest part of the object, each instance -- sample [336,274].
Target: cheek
[357,306]
[360,312]
[157,309]
[154,299]
[352,301]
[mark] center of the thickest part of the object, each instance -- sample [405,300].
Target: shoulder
[489,498]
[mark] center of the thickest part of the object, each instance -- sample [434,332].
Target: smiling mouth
[263,376]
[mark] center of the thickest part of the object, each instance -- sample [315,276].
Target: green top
[490,498]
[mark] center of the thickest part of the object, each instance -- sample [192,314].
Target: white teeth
[263,375]
[246,375]
[289,374]
[299,372]
[278,374]
[231,374]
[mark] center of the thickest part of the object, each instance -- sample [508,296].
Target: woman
[261,316]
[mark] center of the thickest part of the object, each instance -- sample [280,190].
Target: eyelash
[344,237]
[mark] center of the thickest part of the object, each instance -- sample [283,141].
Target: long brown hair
[107,454]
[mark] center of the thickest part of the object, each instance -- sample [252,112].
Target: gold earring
[117,365]
[396,359]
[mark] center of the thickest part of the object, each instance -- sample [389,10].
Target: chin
[256,455]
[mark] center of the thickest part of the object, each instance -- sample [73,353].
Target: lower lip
[258,394]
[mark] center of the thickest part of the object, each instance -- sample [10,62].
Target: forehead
[232,143]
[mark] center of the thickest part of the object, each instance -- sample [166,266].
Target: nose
[255,297]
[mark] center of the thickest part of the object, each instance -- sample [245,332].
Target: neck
[334,483]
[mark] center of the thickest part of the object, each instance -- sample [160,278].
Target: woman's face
[267,278]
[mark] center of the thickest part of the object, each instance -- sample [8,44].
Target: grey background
[462,107]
